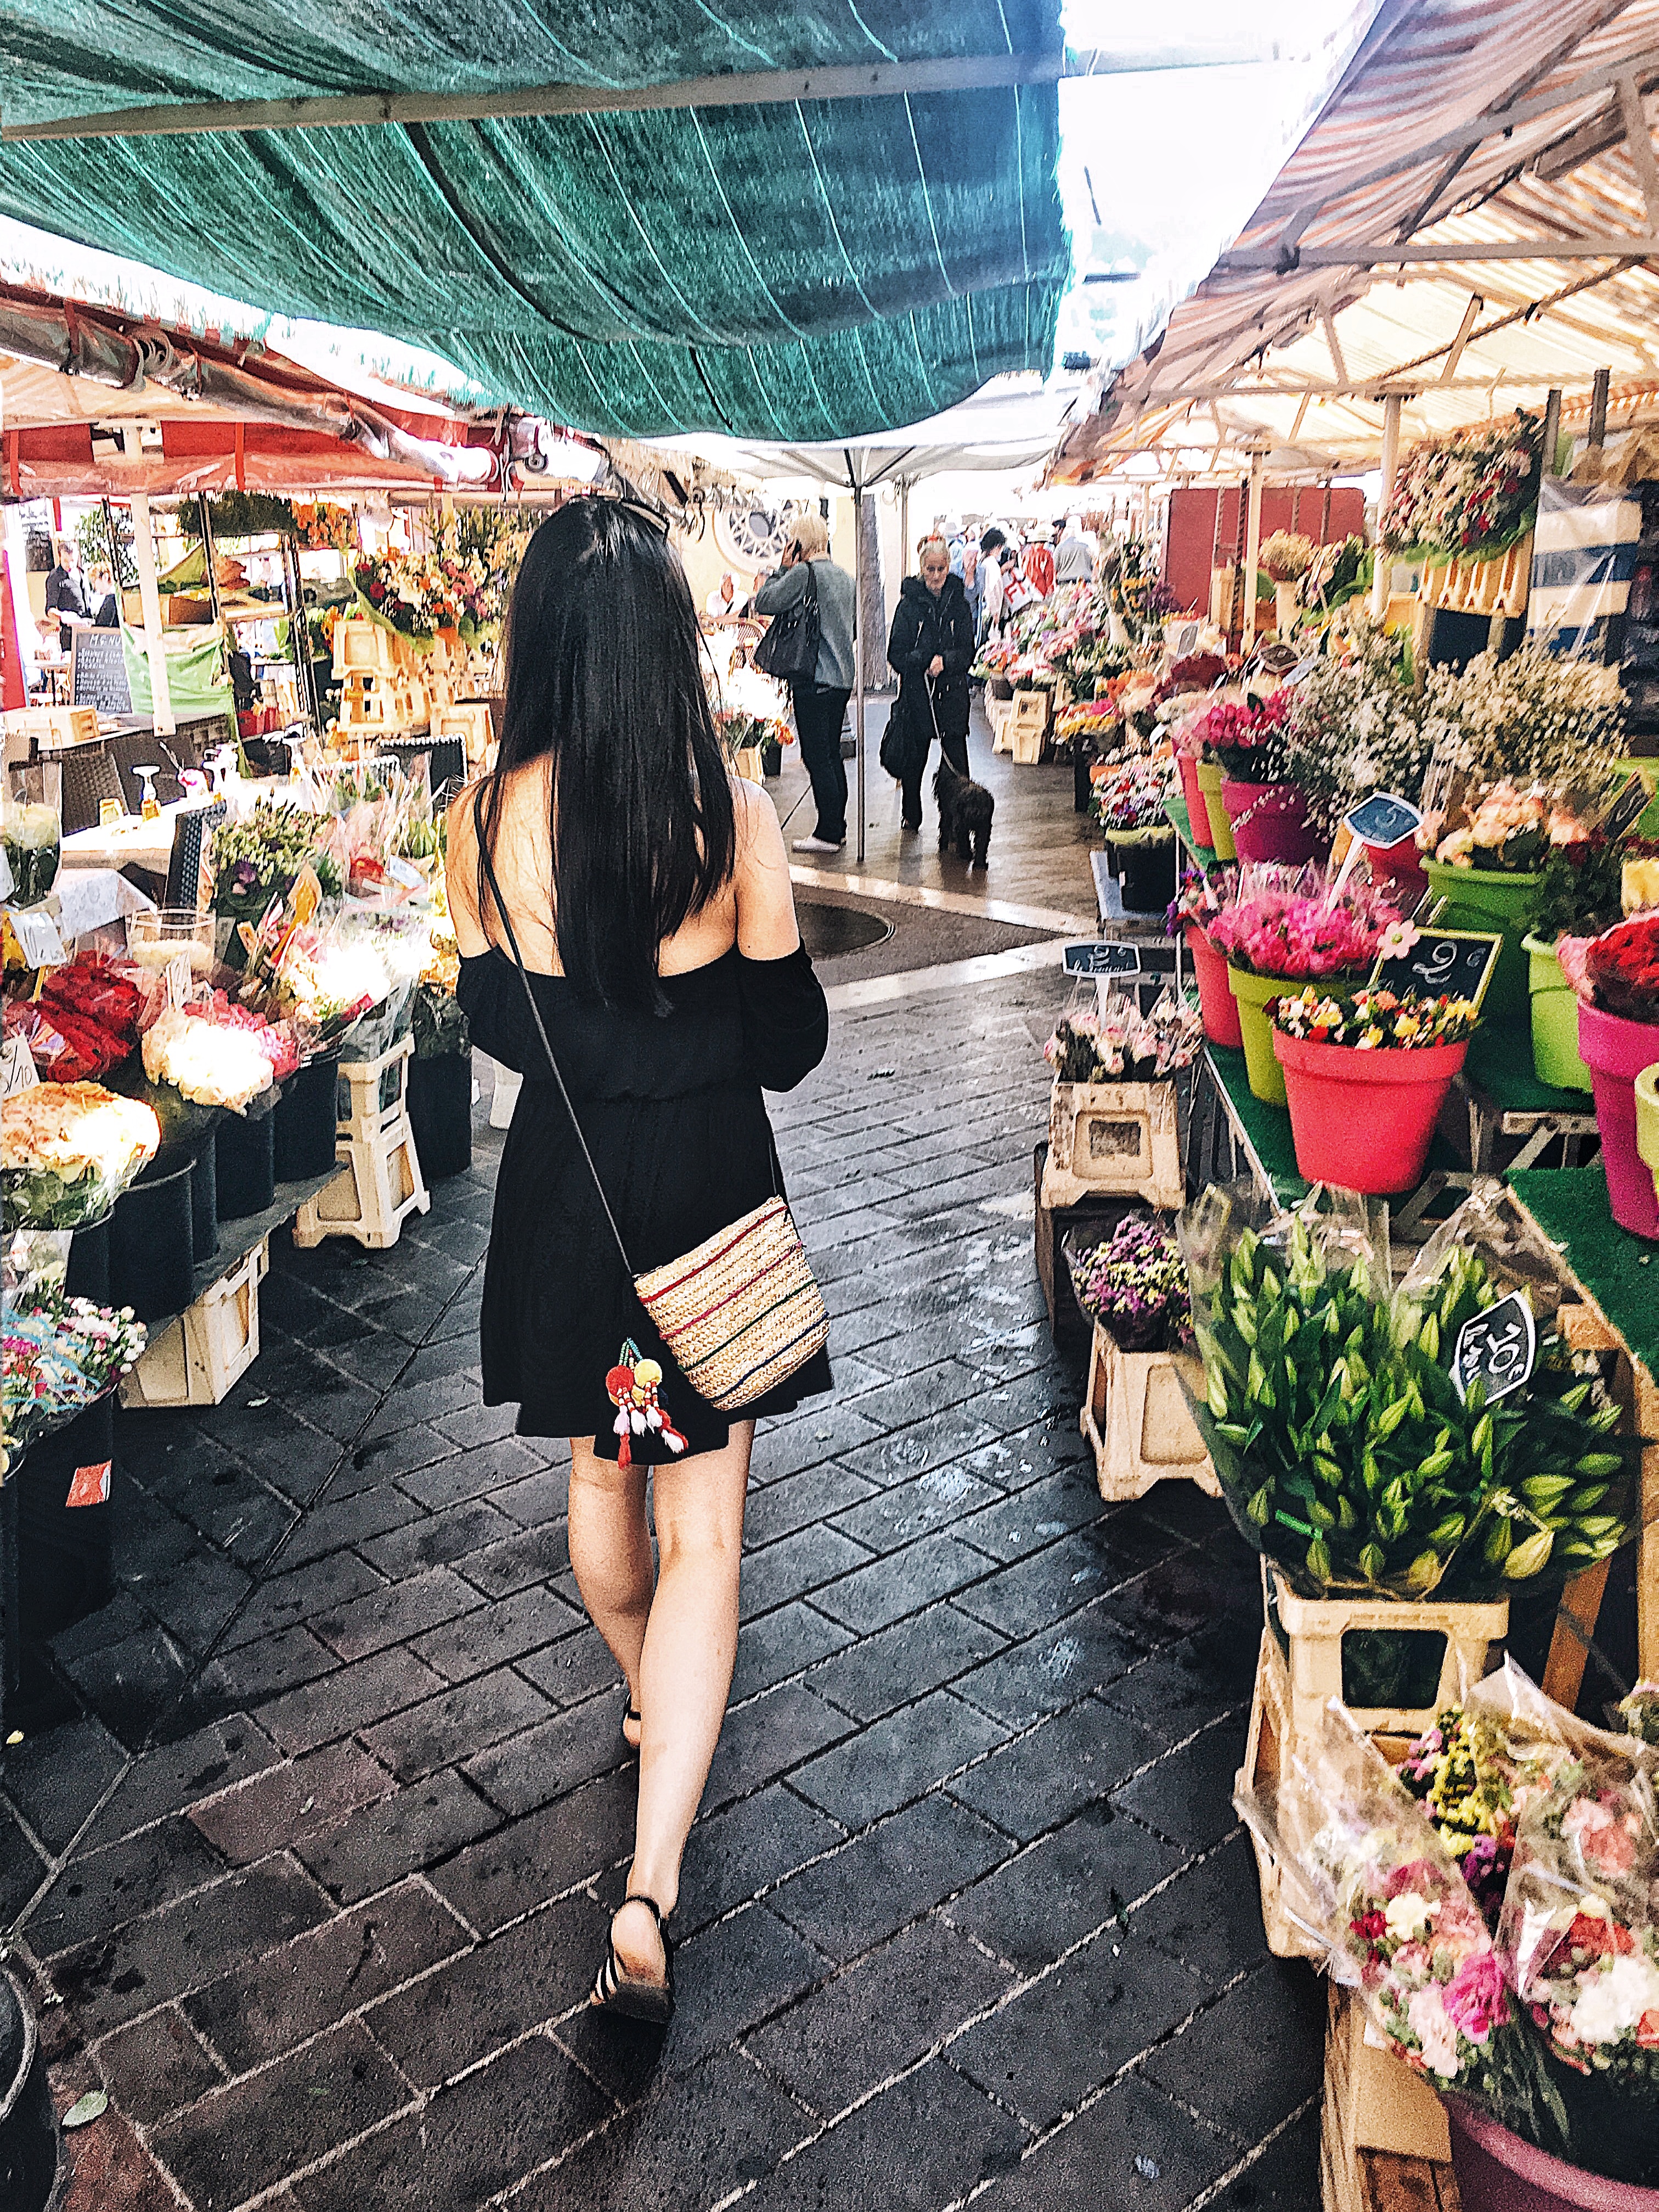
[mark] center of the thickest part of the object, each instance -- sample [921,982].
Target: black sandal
[628,1744]
[615,1990]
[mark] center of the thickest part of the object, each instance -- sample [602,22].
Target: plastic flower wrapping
[1120,1044]
[1290,922]
[83,1019]
[61,1356]
[1134,1284]
[259,859]
[1343,1449]
[1128,798]
[68,1150]
[1374,1020]
[207,1063]
[1202,893]
[1248,736]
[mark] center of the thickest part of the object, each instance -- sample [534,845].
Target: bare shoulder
[766,899]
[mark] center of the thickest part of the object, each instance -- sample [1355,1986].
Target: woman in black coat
[931,645]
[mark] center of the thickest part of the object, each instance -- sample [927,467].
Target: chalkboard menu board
[1103,958]
[98,672]
[1451,963]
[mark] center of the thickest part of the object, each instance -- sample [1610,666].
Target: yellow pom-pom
[646,1373]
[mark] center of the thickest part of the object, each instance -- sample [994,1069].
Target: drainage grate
[826,930]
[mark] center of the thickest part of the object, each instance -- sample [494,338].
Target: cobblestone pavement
[316,1841]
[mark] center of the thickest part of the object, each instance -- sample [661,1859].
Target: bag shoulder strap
[541,1026]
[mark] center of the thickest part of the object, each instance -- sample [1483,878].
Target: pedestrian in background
[991,547]
[820,701]
[931,645]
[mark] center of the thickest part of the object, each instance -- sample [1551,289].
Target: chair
[191,834]
[445,757]
[89,777]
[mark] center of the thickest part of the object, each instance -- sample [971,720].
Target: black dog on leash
[965,809]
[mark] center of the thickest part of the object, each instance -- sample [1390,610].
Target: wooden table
[132,842]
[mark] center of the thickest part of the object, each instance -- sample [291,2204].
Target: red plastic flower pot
[1497,2172]
[1270,822]
[1192,792]
[1364,1120]
[1616,1051]
[1215,992]
[1399,864]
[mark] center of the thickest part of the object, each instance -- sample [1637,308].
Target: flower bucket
[1364,1120]
[303,1123]
[152,1248]
[1269,822]
[1252,994]
[1497,2172]
[1402,864]
[1215,994]
[1491,899]
[1146,874]
[1192,791]
[245,1166]
[1210,781]
[1555,1057]
[1617,1051]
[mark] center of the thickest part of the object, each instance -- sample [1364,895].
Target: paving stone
[254,2014]
[401,1453]
[437,1538]
[944,1438]
[537,1499]
[21,1867]
[901,1582]
[195,1601]
[388,1616]
[732,1855]
[879,2016]
[477,1472]
[1254,2056]
[101,1892]
[532,1860]
[1045,2049]
[768,1738]
[1187,1795]
[781,1643]
[820,1432]
[901,1867]
[1132,2151]
[797,1500]
[885,1519]
[351,1697]
[131,1684]
[1041,1778]
[246,2137]
[550,1761]
[411,1402]
[794,1566]
[1211,1918]
[1182,1687]
[55,1779]
[1032,1908]
[254,1672]
[288,1802]
[1051,1671]
[574,1669]
[302,1594]
[1284,2178]
[476,2004]
[732,1976]
[381,1843]
[510,1629]
[156,2066]
[456,1723]
[898,1759]
[534,1555]
[881,1672]
[874,2161]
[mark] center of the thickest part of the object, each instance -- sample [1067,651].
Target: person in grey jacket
[821,703]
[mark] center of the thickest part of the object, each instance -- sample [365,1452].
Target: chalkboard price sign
[1451,963]
[1499,1345]
[98,672]
[1103,958]
[1383,820]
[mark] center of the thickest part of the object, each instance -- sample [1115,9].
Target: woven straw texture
[742,1311]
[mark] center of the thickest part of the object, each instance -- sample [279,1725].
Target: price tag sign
[1499,1345]
[37,937]
[1452,964]
[90,1486]
[1103,958]
[179,976]
[1383,820]
[17,1068]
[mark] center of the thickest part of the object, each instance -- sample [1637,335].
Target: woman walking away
[931,645]
[646,894]
[820,699]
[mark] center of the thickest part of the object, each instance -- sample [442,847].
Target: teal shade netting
[796,270]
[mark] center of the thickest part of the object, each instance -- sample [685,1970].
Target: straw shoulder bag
[743,1310]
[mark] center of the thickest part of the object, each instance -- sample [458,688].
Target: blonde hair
[932,538]
[809,536]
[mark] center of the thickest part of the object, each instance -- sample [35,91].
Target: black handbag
[789,650]
[904,745]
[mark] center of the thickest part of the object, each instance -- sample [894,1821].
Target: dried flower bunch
[1534,719]
[1120,1044]
[1287,555]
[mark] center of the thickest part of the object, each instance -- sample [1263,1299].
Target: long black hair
[603,678]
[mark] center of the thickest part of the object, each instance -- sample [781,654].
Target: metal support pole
[1251,547]
[858,654]
[1392,402]
[1552,430]
[904,525]
[150,599]
[1598,419]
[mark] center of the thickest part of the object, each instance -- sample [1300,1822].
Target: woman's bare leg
[610,1552]
[689,1647]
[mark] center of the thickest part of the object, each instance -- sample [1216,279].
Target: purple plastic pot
[1270,822]
[1498,2172]
[1616,1051]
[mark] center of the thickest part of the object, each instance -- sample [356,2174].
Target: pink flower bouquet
[1282,923]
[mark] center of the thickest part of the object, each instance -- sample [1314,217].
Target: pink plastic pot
[1498,2172]
[1615,1051]
[1270,822]
[1215,992]
[1192,792]
[1365,1121]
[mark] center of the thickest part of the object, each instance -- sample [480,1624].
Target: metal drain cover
[826,930]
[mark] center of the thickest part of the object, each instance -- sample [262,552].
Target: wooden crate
[1116,1136]
[469,720]
[999,713]
[194,1360]
[53,729]
[1136,1419]
[1384,2145]
[1499,585]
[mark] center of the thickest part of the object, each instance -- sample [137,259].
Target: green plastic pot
[1210,779]
[1491,899]
[1253,994]
[1555,1056]
[1647,1120]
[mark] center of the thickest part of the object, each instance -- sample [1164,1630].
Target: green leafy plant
[439,1026]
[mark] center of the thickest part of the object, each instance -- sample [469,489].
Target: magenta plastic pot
[1498,2172]
[1270,822]
[1616,1051]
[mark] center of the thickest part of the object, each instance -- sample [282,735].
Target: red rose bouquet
[1621,968]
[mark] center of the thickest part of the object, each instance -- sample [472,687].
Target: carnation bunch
[1134,1284]
[1248,738]
[1290,924]
[1203,894]
[1374,1020]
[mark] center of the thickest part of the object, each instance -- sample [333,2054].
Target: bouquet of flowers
[1250,739]
[1201,894]
[83,1020]
[1640,1711]
[1355,726]
[1619,971]
[1532,720]
[1134,1284]
[325,526]
[1120,1044]
[1291,923]
[1374,1020]
[259,859]
[1473,492]
[1127,800]
[1193,672]
[61,1356]
[68,1150]
[207,1065]
[1287,555]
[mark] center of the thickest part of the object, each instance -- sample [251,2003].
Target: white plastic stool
[505,1095]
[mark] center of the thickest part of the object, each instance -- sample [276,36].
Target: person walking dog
[931,645]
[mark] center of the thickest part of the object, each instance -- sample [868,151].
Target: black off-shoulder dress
[670,1107]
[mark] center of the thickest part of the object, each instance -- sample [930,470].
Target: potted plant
[1267,813]
[1577,895]
[1134,1286]
[1128,803]
[1284,929]
[439,1098]
[1616,976]
[1286,555]
[1202,894]
[1135,1414]
[1365,1077]
[1355,729]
